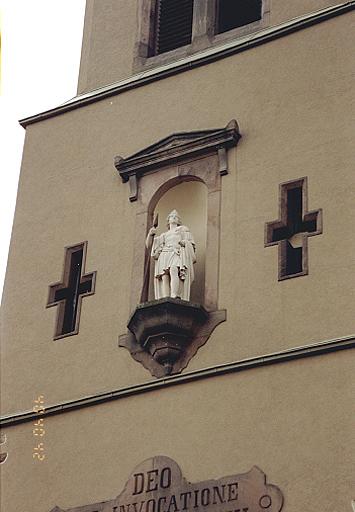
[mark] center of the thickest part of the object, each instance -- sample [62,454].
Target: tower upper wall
[114,37]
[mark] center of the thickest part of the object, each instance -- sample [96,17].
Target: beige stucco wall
[291,98]
[291,420]
[110,35]
[108,42]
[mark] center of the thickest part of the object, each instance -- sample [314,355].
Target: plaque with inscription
[157,485]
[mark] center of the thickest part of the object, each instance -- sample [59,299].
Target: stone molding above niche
[175,148]
[153,338]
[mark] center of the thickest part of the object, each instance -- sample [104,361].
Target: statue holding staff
[174,255]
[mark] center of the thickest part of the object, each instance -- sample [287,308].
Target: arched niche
[199,156]
[189,198]
[184,172]
[152,188]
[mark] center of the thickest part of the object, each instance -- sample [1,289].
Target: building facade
[237,398]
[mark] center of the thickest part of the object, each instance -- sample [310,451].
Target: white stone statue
[174,255]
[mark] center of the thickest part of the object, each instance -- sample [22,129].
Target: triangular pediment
[177,147]
[174,141]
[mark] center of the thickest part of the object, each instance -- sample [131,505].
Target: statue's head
[175,217]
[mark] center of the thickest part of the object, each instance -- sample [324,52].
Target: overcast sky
[41,44]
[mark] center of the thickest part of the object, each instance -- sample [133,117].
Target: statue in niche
[174,255]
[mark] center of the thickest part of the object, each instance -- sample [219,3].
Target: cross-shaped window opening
[292,230]
[69,293]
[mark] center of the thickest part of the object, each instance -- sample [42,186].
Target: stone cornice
[196,60]
[175,148]
[312,350]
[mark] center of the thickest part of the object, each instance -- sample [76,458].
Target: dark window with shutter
[173,27]
[236,13]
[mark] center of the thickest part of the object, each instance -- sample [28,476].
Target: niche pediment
[175,148]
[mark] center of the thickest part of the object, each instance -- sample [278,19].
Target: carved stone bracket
[165,334]
[175,148]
